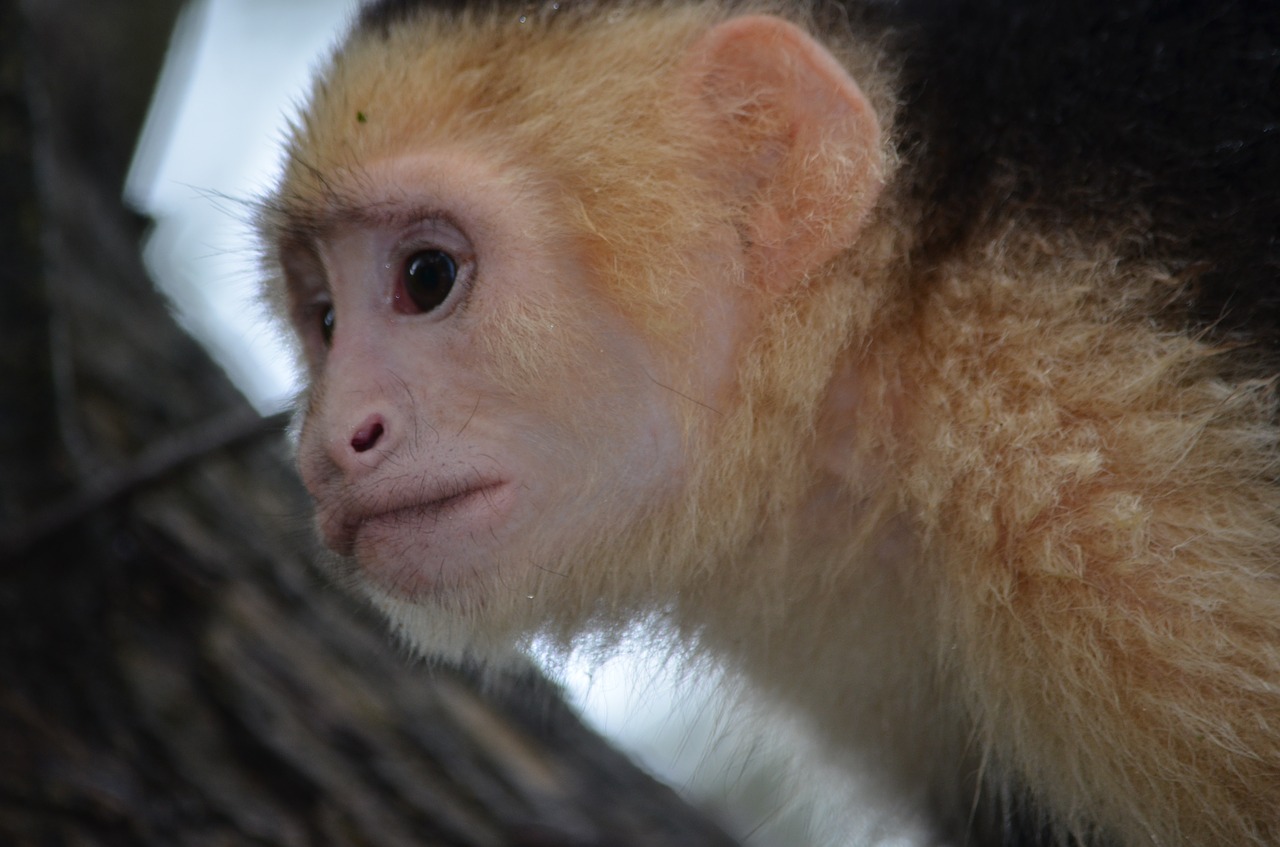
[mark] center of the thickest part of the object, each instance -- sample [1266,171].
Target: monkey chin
[434,550]
[485,613]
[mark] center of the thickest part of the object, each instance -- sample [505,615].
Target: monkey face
[480,414]
[538,333]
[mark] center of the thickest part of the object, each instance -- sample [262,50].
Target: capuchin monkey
[911,360]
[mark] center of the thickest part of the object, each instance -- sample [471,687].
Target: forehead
[434,183]
[544,89]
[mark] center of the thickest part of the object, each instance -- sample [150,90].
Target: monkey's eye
[426,280]
[328,320]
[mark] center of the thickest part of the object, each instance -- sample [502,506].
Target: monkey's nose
[368,434]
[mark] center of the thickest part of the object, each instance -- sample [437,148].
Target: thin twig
[157,462]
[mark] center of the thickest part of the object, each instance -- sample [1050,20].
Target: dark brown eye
[428,278]
[328,320]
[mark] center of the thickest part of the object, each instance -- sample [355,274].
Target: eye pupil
[429,276]
[327,323]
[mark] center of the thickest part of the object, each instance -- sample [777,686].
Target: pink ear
[801,135]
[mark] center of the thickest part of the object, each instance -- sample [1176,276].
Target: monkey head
[538,320]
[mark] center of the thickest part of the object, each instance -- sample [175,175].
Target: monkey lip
[360,525]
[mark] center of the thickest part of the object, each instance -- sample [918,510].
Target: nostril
[367,436]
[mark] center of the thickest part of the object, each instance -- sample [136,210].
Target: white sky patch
[236,71]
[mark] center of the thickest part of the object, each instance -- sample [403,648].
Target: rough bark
[173,669]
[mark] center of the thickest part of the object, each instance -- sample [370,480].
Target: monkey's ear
[798,138]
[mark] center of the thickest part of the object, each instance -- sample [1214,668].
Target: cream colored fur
[1000,528]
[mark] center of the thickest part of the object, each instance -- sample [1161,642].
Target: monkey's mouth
[361,530]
